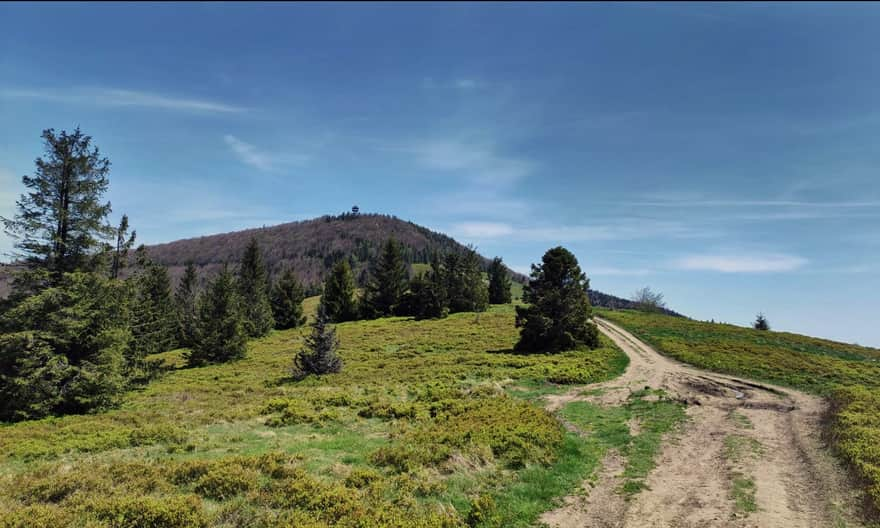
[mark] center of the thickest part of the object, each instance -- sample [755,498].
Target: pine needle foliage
[558,315]
[287,301]
[387,284]
[499,283]
[338,300]
[221,335]
[186,306]
[253,287]
[319,356]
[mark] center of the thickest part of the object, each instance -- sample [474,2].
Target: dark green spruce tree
[761,323]
[387,283]
[499,283]
[466,290]
[287,301]
[426,297]
[61,222]
[253,286]
[319,355]
[63,349]
[338,299]
[186,306]
[152,311]
[557,317]
[66,326]
[221,335]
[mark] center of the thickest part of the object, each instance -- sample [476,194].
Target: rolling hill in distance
[311,247]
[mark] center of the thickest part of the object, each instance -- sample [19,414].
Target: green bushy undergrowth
[412,432]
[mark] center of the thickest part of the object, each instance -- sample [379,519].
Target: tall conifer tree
[186,306]
[61,222]
[387,284]
[558,315]
[152,326]
[287,302]
[499,283]
[338,299]
[253,287]
[466,290]
[221,335]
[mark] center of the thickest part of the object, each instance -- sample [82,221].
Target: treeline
[453,283]
[312,247]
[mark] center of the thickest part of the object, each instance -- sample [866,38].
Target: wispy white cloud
[623,229]
[262,160]
[613,271]
[480,204]
[483,230]
[857,268]
[740,263]
[463,84]
[469,84]
[116,97]
[248,153]
[481,163]
[803,214]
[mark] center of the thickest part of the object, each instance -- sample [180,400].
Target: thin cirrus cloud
[481,163]
[469,84]
[118,98]
[619,272]
[463,84]
[265,161]
[729,263]
[483,230]
[625,229]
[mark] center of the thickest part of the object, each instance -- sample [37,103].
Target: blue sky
[726,155]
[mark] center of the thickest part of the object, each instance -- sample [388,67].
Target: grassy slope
[848,374]
[428,424]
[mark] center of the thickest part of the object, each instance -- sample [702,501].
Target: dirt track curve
[797,483]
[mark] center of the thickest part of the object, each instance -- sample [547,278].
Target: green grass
[737,448]
[430,423]
[743,494]
[608,428]
[741,420]
[849,375]
[537,487]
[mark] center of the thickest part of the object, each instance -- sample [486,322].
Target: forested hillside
[310,247]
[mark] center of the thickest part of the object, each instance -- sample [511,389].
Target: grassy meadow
[430,423]
[847,374]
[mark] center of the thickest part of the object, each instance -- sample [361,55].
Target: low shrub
[37,516]
[223,482]
[362,477]
[181,511]
[514,431]
[855,433]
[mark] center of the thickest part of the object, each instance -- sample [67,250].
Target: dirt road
[742,440]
